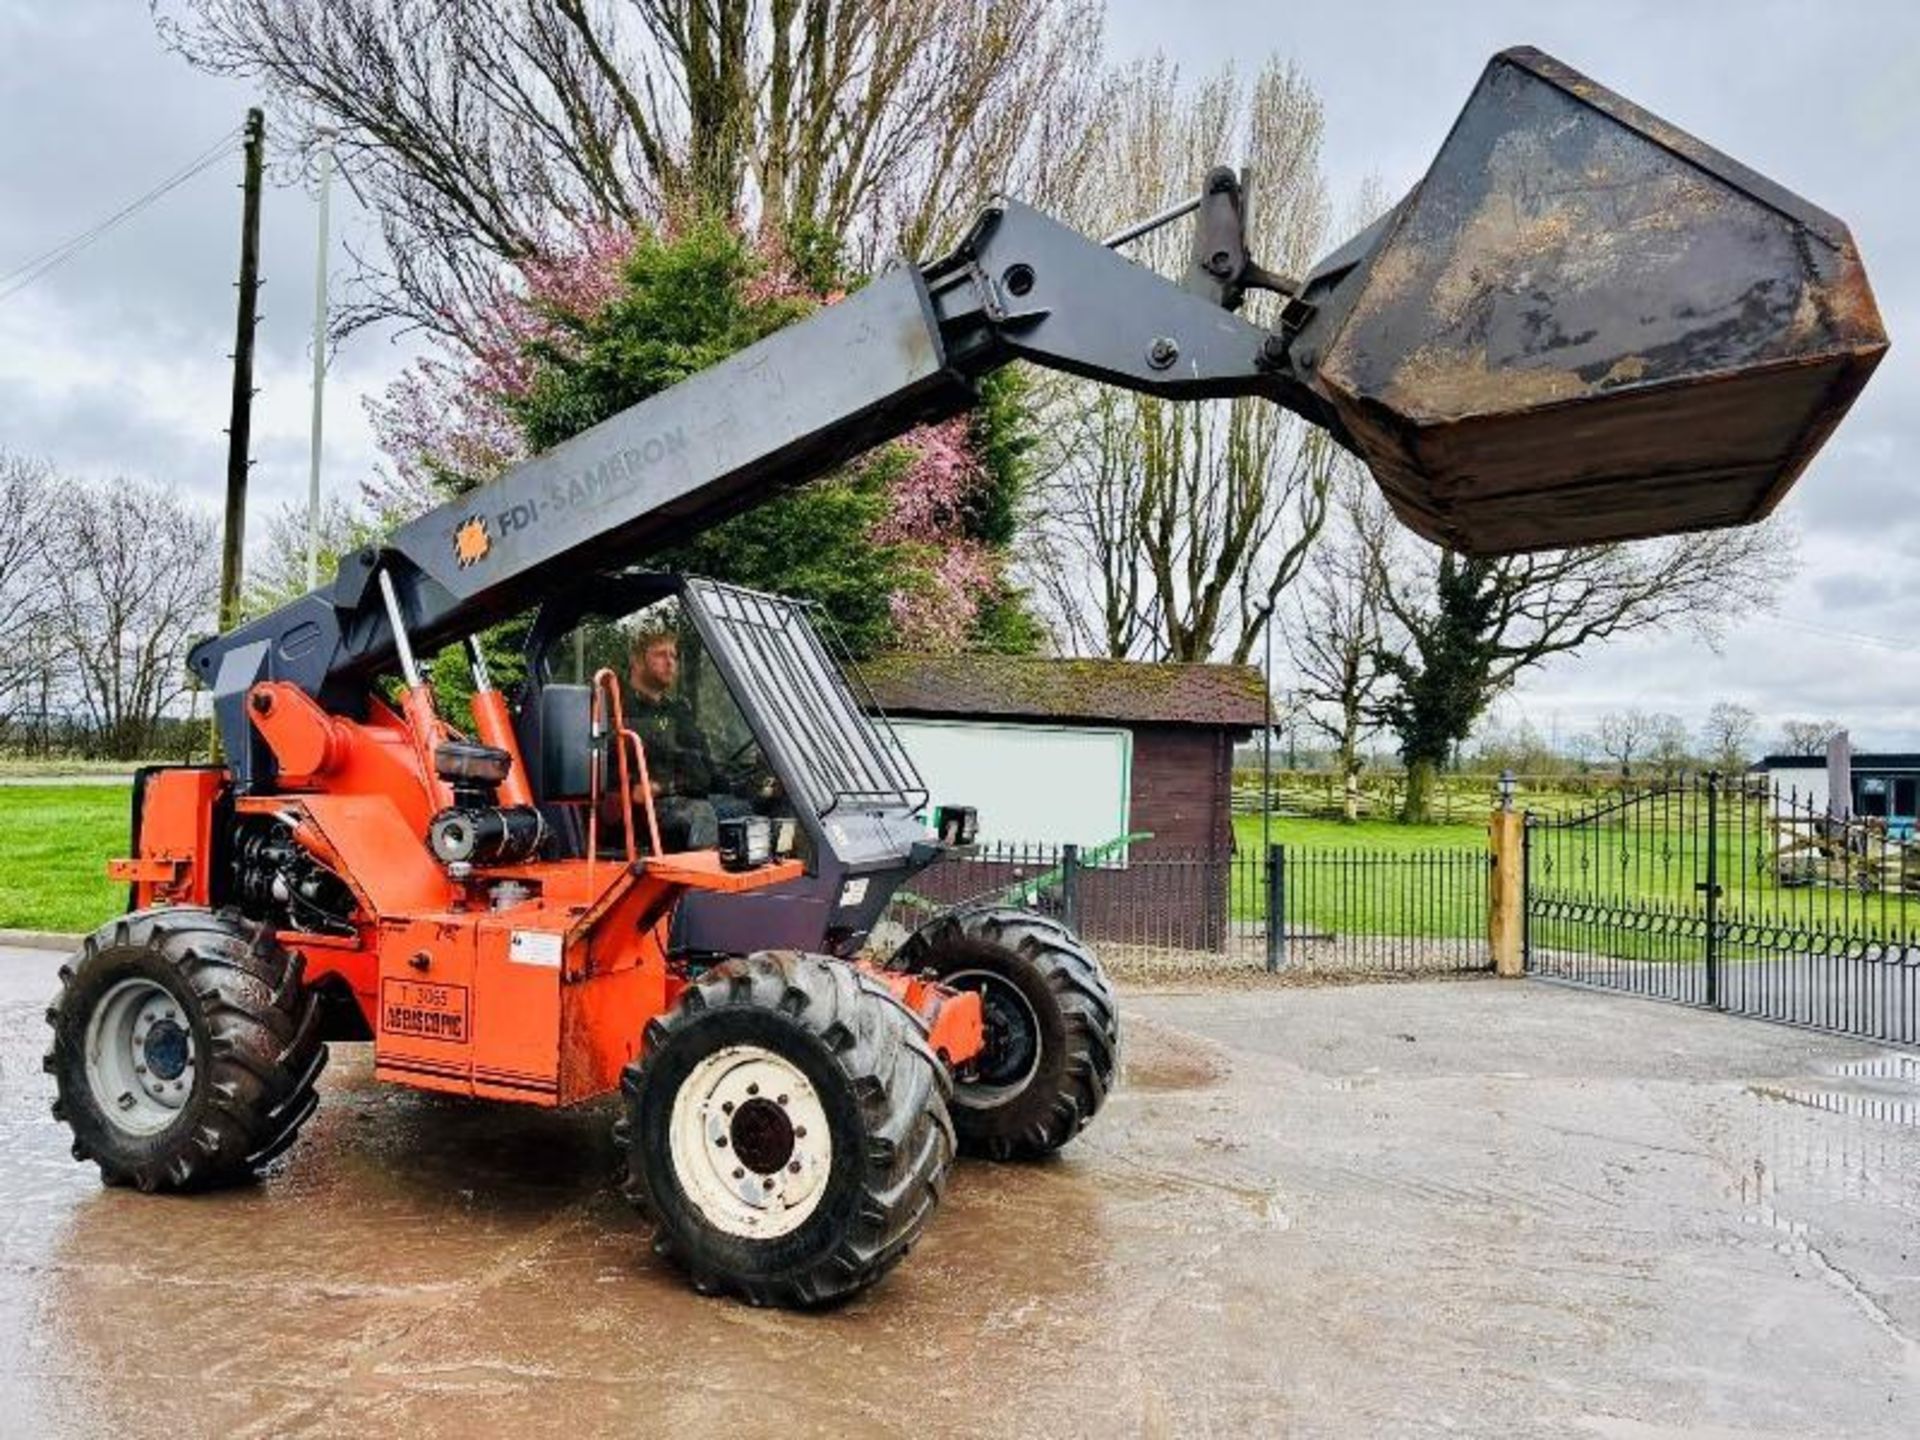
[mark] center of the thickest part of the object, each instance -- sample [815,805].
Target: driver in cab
[679,763]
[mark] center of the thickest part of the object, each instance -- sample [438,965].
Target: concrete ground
[1483,1207]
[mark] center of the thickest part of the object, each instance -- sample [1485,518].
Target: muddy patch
[1162,1058]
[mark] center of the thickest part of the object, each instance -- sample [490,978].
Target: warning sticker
[536,947]
[431,1012]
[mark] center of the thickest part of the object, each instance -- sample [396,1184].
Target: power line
[1858,637]
[23,275]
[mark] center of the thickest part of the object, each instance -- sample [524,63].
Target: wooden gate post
[1506,892]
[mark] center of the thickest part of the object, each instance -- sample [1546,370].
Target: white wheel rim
[140,1057]
[750,1142]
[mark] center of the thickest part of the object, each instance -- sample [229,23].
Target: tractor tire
[1052,1023]
[185,1052]
[786,1130]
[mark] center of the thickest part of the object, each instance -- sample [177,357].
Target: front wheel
[185,1051]
[786,1129]
[1051,1021]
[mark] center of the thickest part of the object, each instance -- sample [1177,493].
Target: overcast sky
[116,363]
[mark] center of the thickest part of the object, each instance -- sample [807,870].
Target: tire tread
[898,1083]
[1087,1004]
[263,1058]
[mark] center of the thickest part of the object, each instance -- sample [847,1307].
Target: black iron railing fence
[1293,907]
[1725,892]
[1715,891]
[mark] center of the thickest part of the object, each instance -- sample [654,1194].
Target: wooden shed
[1052,751]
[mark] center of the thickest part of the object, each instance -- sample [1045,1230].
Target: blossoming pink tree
[448,424]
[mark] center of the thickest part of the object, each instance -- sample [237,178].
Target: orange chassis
[542,1001]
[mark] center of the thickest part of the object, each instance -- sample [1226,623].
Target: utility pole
[319,366]
[240,422]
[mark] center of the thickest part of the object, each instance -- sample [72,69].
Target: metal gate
[1723,892]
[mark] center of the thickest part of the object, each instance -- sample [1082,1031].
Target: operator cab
[745,708]
[703,764]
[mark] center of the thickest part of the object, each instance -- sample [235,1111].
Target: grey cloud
[1850,592]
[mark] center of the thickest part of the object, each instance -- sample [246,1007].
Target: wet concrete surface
[1477,1207]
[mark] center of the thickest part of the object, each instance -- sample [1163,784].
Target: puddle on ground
[1891,1066]
[1844,1102]
[1868,1162]
[1883,1088]
[1798,1239]
[1796,1162]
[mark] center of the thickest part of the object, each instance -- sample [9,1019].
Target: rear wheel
[185,1052]
[786,1129]
[1051,1022]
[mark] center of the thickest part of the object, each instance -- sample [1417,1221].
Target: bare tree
[277,568]
[1185,523]
[1727,737]
[1520,748]
[1474,626]
[1807,737]
[1084,556]
[1623,735]
[1667,746]
[136,581]
[27,496]
[481,132]
[1339,631]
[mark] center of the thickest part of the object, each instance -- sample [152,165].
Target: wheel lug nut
[726,1107]
[783,1099]
[739,1174]
[768,1182]
[753,1089]
[799,1132]
[721,1141]
[793,1167]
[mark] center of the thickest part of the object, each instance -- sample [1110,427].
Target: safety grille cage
[782,657]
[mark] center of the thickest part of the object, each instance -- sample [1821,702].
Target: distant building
[1866,784]
[1085,751]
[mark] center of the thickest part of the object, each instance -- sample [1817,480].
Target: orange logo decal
[471,541]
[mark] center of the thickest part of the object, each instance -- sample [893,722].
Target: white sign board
[1032,784]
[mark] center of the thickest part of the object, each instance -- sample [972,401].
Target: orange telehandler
[655,868]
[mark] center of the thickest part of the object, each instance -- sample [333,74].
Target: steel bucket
[1584,325]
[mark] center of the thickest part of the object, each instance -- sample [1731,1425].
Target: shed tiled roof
[1110,691]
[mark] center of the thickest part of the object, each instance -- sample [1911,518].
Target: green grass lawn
[1371,877]
[55,841]
[1369,836]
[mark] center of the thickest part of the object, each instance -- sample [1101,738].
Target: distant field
[55,841]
